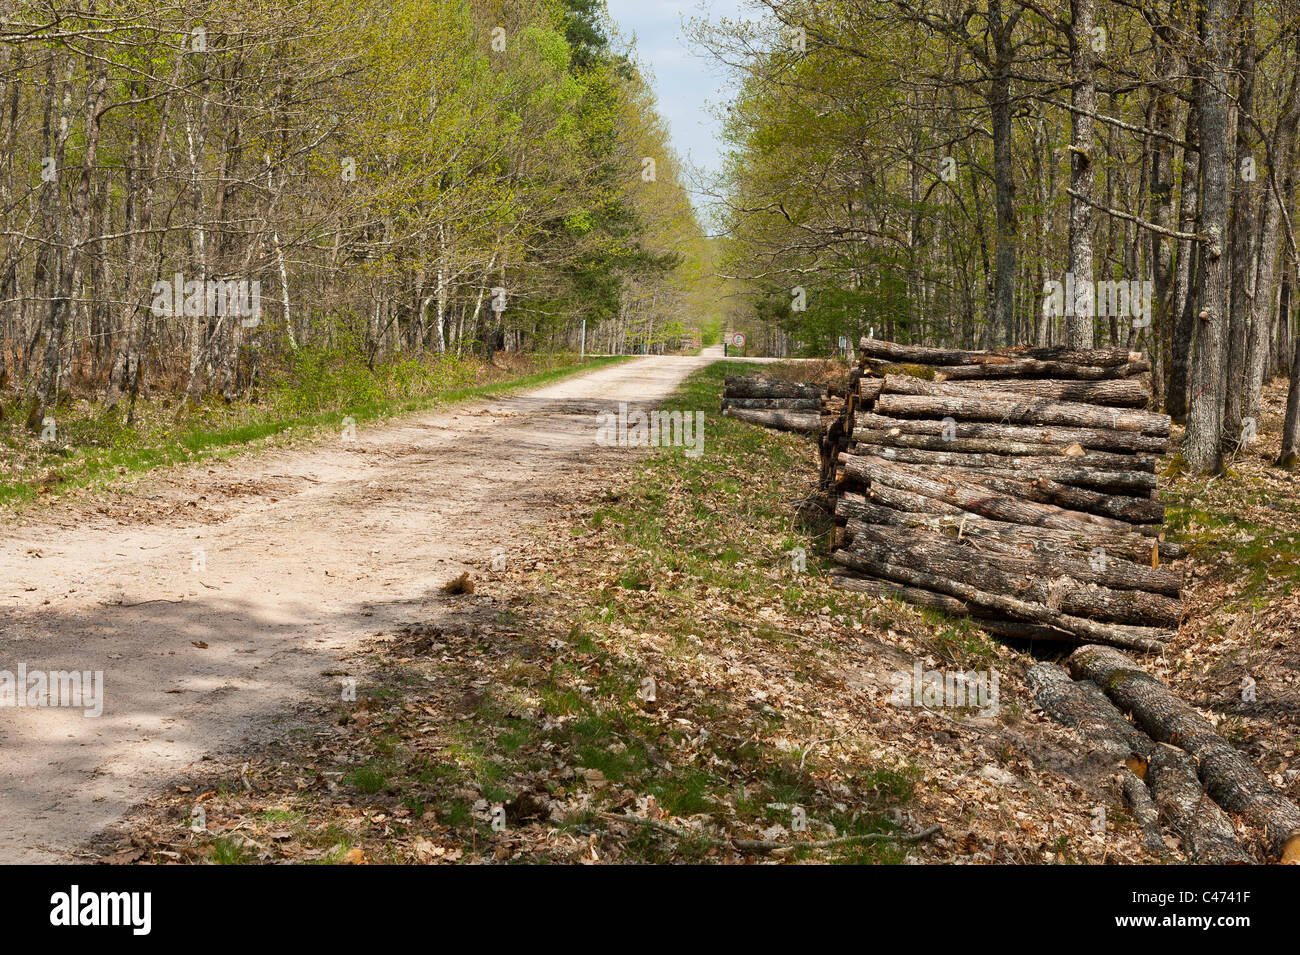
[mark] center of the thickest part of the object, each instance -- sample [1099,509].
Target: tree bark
[1206,832]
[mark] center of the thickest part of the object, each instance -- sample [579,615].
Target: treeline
[1076,172]
[192,191]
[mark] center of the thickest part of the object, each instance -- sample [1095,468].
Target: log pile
[1196,778]
[1016,487]
[781,405]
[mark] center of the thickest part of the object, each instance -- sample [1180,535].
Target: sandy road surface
[219,596]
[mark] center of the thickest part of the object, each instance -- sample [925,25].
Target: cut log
[1134,510]
[1080,556]
[1119,393]
[1038,578]
[777,420]
[1146,639]
[1206,832]
[1100,470]
[1021,368]
[1231,780]
[1145,813]
[846,578]
[744,386]
[773,404]
[974,497]
[1042,439]
[1080,705]
[1023,411]
[1131,510]
[923,355]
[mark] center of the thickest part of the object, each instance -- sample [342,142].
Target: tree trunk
[1083,95]
[1201,448]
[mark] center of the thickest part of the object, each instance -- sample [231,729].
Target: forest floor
[651,649]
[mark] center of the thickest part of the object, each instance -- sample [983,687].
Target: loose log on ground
[774,404]
[1080,705]
[1036,578]
[1231,780]
[744,386]
[1023,411]
[777,420]
[1043,439]
[1145,813]
[1146,639]
[1206,832]
[1119,393]
[1076,556]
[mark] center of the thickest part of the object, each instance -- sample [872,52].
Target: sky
[685,82]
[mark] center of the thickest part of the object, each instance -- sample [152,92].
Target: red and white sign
[738,339]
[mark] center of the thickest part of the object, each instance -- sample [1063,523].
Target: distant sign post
[738,339]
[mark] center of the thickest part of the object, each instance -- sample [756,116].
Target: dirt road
[217,598]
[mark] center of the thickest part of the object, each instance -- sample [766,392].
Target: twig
[156,600]
[816,742]
[768,845]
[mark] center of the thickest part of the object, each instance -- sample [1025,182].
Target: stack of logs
[782,405]
[1016,487]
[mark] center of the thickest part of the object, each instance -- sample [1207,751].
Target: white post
[583,354]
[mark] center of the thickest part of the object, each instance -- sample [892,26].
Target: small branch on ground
[770,845]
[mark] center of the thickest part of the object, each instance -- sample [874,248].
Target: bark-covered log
[1080,705]
[1206,832]
[1144,810]
[774,404]
[879,563]
[974,497]
[1082,556]
[1044,439]
[778,420]
[747,386]
[1132,510]
[1037,578]
[1119,393]
[1095,470]
[923,355]
[1231,780]
[1010,410]
[1021,368]
[848,578]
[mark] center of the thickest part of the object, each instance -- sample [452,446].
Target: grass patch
[95,444]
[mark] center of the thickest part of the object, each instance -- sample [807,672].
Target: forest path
[219,597]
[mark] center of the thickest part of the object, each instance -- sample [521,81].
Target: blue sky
[686,83]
